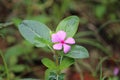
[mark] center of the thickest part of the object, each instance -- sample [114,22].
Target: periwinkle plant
[60,42]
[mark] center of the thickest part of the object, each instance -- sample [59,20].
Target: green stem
[51,49]
[5,64]
[56,59]
[104,78]
[3,25]
[108,22]
[57,76]
[101,72]
[61,59]
[100,65]
[55,55]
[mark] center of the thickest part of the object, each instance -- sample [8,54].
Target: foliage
[32,29]
[98,31]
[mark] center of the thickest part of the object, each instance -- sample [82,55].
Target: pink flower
[60,41]
[116,71]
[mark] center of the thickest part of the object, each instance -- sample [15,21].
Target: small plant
[60,42]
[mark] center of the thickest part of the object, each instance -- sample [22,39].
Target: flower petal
[116,71]
[66,48]
[61,35]
[55,38]
[70,41]
[57,46]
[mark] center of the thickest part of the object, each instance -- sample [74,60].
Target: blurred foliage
[99,31]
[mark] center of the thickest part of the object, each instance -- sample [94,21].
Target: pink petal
[116,71]
[66,48]
[55,38]
[70,41]
[61,35]
[57,46]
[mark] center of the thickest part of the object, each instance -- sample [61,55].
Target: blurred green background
[99,32]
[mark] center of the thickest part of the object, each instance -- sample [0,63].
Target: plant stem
[61,59]
[56,60]
[3,25]
[100,64]
[57,76]
[55,55]
[5,64]
[106,23]
[101,72]
[51,49]
[104,78]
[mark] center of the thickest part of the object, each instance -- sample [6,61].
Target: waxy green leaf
[31,30]
[51,75]
[48,63]
[69,25]
[66,62]
[78,52]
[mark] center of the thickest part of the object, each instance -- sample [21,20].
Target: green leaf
[12,53]
[18,68]
[84,33]
[32,29]
[47,73]
[100,10]
[66,62]
[1,78]
[95,43]
[12,60]
[43,41]
[2,68]
[61,76]
[115,78]
[78,52]
[69,25]
[50,74]
[16,21]
[48,63]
